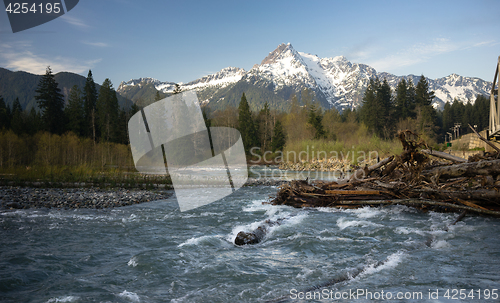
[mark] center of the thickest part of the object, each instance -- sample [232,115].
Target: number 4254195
[462,294]
[40,8]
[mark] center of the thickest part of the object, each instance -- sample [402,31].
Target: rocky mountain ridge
[336,82]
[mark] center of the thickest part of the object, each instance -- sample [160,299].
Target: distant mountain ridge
[336,82]
[23,85]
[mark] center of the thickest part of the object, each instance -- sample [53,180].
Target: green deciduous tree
[51,103]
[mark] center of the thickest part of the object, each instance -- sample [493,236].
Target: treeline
[44,149]
[88,113]
[90,130]
[477,115]
[384,112]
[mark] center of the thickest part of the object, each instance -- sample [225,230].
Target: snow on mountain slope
[225,77]
[336,81]
[461,88]
[283,67]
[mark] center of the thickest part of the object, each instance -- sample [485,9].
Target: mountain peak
[283,50]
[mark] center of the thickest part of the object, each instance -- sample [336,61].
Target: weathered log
[489,195]
[352,192]
[444,155]
[487,167]
[459,218]
[362,173]
[405,156]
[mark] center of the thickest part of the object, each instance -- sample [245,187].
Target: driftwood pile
[418,177]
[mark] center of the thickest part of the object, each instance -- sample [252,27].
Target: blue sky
[180,41]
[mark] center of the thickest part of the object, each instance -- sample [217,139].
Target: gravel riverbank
[15,197]
[28,197]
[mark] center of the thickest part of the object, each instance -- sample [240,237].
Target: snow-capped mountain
[336,82]
[223,78]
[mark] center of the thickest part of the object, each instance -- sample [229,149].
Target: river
[152,252]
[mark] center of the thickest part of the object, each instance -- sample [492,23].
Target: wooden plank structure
[494,129]
[412,178]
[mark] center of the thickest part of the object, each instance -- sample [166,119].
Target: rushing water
[152,252]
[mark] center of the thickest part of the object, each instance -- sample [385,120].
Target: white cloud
[14,57]
[97,44]
[415,54]
[422,52]
[74,21]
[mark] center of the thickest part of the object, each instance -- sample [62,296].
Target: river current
[152,252]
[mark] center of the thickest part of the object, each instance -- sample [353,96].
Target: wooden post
[495,104]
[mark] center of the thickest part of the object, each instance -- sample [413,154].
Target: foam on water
[391,262]
[131,296]
[63,299]
[403,230]
[132,262]
[258,206]
[440,244]
[367,212]
[199,240]
[344,223]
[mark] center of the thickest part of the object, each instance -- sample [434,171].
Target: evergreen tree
[51,103]
[90,107]
[17,121]
[278,140]
[481,112]
[122,130]
[423,96]
[177,89]
[134,109]
[75,112]
[108,112]
[369,110]
[410,98]
[264,126]
[34,122]
[423,102]
[246,125]
[448,118]
[157,96]
[315,119]
[404,100]
[378,111]
[16,107]
[384,101]
[4,115]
